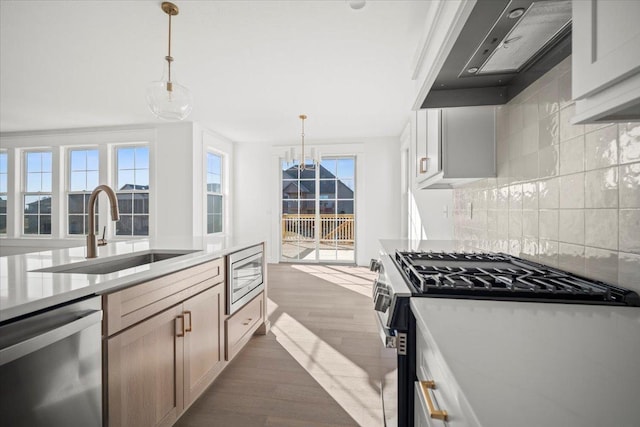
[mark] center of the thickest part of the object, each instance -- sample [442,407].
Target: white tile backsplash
[566,196]
[572,191]
[629,142]
[567,130]
[571,226]
[601,147]
[629,186]
[629,270]
[548,131]
[601,188]
[601,228]
[601,264]
[629,230]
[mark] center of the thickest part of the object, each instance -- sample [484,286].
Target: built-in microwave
[245,276]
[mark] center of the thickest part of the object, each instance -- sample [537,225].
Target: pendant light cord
[169,58]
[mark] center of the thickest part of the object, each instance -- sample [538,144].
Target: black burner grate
[500,276]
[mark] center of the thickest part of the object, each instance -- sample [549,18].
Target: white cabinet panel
[461,146]
[606,59]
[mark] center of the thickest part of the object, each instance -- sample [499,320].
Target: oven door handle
[388,339]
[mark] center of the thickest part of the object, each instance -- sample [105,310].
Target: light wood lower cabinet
[165,342]
[202,342]
[242,324]
[158,366]
[145,373]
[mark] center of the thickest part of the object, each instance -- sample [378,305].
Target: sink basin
[116,263]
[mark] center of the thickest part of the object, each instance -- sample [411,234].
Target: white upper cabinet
[606,60]
[454,146]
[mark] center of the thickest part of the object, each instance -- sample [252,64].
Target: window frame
[5,194]
[24,193]
[115,184]
[207,193]
[68,191]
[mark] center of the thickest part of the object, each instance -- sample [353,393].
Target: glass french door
[318,211]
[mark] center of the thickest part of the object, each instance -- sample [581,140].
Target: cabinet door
[420,143]
[144,376]
[202,344]
[606,44]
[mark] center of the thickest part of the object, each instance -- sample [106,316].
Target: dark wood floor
[320,365]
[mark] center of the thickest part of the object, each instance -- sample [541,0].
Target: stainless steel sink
[115,263]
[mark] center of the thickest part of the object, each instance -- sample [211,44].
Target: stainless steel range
[417,274]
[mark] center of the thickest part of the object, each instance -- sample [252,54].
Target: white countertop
[533,364]
[23,291]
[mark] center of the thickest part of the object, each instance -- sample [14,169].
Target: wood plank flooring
[320,365]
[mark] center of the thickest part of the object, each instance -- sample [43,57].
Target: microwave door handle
[38,342]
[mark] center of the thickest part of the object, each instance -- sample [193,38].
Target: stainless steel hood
[504,46]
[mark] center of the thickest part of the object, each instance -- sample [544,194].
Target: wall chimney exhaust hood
[503,47]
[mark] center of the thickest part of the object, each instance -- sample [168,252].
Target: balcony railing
[333,228]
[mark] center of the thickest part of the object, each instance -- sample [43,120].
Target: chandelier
[166,98]
[304,162]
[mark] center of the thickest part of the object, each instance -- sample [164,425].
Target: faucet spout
[92,249]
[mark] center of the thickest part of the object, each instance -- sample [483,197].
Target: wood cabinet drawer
[132,305]
[240,326]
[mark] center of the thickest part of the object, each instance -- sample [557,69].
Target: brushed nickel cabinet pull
[247,322]
[433,412]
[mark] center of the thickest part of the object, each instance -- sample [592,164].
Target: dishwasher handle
[31,345]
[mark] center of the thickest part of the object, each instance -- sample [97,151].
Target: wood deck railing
[339,228]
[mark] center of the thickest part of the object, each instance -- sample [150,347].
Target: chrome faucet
[92,249]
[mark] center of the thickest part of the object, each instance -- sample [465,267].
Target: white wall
[257,191]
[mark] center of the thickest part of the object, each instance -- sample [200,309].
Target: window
[132,174]
[83,178]
[3,192]
[37,197]
[214,193]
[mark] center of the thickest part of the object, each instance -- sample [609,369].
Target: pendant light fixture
[304,162]
[166,98]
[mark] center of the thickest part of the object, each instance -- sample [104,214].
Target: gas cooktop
[501,276]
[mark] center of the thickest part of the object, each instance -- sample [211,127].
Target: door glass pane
[327,234]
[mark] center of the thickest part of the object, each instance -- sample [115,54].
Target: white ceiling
[252,66]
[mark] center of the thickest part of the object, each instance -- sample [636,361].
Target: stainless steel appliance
[51,367]
[245,276]
[412,274]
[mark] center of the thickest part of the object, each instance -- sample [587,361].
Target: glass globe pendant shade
[169,100]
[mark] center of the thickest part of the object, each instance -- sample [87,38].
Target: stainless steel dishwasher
[51,367]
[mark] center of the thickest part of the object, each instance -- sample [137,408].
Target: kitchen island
[151,318]
[24,290]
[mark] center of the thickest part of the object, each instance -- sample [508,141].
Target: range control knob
[382,300]
[374,265]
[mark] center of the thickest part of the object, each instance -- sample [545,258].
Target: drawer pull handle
[433,412]
[181,333]
[189,328]
[247,322]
